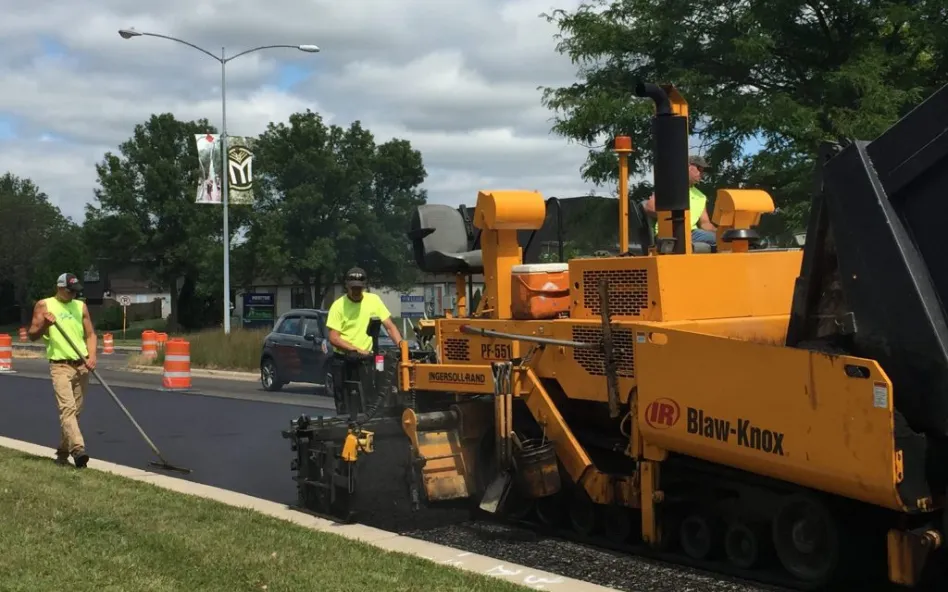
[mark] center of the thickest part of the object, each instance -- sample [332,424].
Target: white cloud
[458,78]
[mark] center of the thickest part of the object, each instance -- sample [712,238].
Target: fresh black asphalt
[230,443]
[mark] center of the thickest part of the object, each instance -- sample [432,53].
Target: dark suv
[297,350]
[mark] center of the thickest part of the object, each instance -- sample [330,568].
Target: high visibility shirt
[351,319]
[698,203]
[69,317]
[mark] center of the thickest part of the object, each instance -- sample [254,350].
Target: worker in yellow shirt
[348,324]
[702,229]
[68,369]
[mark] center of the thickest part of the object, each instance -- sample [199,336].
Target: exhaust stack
[670,144]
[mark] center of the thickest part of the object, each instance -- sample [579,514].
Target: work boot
[62,458]
[81,459]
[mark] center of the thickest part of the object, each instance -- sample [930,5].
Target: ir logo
[662,414]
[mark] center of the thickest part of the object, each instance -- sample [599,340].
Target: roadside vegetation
[213,350]
[210,349]
[132,336]
[106,532]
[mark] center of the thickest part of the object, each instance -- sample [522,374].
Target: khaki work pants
[70,384]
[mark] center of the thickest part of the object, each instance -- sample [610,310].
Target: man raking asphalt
[163,464]
[67,365]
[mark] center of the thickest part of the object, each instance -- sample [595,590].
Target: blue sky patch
[52,48]
[7,127]
[289,75]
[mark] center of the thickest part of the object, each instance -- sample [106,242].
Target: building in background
[438,292]
[105,283]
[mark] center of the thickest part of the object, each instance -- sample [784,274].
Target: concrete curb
[40,346]
[389,541]
[195,372]
[202,373]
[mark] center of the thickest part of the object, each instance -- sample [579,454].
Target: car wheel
[268,376]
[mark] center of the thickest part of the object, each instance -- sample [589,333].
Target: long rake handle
[114,396]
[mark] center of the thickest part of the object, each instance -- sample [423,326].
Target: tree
[330,198]
[37,243]
[147,214]
[790,73]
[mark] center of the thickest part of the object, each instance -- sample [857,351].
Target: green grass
[63,529]
[214,350]
[133,332]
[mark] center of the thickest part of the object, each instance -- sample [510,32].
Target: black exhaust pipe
[670,144]
[657,94]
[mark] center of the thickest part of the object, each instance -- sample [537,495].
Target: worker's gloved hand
[357,356]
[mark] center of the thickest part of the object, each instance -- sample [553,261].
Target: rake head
[169,467]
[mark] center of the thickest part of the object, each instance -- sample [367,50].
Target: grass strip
[64,529]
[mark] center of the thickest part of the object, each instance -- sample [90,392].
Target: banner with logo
[239,168]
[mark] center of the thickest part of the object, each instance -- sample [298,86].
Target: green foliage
[788,73]
[212,349]
[110,319]
[133,331]
[147,215]
[330,198]
[37,243]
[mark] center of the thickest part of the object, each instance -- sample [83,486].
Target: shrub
[213,349]
[109,319]
[133,331]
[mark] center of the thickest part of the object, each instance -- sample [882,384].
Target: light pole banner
[209,158]
[239,167]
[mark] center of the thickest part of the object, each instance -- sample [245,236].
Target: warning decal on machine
[743,432]
[880,395]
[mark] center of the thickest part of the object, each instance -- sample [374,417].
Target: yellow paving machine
[779,414]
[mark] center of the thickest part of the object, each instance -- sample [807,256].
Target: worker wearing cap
[349,316]
[69,370]
[702,230]
[348,324]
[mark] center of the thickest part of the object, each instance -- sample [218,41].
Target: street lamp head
[128,33]
[309,48]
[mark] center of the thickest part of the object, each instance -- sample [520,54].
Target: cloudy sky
[458,78]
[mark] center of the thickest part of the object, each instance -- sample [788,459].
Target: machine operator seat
[642,229]
[440,241]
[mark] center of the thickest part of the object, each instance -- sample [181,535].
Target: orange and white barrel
[23,336]
[149,344]
[6,353]
[161,339]
[108,346]
[177,370]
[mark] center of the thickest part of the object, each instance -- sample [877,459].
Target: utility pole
[223,59]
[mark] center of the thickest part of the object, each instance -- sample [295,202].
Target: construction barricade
[149,345]
[6,354]
[161,339]
[108,346]
[177,369]
[23,335]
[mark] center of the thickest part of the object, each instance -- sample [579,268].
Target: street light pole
[225,196]
[223,59]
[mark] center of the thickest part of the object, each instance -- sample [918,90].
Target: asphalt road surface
[227,432]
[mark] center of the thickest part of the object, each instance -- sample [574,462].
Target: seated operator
[348,323]
[702,230]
